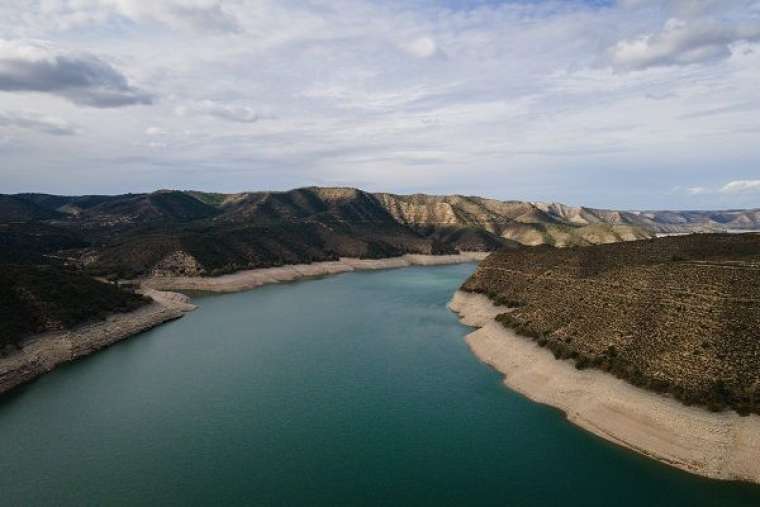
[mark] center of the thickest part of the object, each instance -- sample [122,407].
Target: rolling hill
[676,315]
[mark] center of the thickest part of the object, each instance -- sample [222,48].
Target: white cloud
[421,47]
[155,131]
[741,186]
[36,122]
[696,190]
[684,42]
[201,15]
[515,99]
[207,16]
[229,112]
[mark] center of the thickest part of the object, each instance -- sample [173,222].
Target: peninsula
[651,344]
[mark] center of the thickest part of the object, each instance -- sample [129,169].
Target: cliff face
[679,315]
[516,221]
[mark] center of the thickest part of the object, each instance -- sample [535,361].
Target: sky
[628,104]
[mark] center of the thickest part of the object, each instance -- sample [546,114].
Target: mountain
[523,222]
[173,232]
[17,209]
[163,205]
[676,315]
[51,246]
[659,221]
[199,233]
[263,229]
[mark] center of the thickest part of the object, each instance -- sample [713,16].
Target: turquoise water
[351,390]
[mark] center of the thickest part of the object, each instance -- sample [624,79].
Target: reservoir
[356,389]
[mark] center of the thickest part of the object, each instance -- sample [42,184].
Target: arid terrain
[62,242]
[677,315]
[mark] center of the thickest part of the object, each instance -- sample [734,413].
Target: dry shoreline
[42,353]
[250,279]
[716,445]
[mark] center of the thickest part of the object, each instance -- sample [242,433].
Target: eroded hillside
[679,315]
[522,222]
[198,233]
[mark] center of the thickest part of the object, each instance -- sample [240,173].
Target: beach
[720,445]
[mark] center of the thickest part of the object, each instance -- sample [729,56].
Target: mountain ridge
[189,232]
[692,220]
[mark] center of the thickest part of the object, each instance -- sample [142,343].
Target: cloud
[741,186]
[239,114]
[81,78]
[679,7]
[155,131]
[197,15]
[683,42]
[39,123]
[203,16]
[696,190]
[743,107]
[422,47]
[516,98]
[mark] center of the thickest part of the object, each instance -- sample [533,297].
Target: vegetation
[203,234]
[678,315]
[34,299]
[35,242]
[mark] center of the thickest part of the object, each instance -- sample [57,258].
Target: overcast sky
[622,104]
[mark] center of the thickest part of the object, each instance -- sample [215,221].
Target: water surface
[352,390]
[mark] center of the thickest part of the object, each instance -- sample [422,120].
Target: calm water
[351,390]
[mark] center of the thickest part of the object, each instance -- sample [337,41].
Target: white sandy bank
[718,445]
[250,279]
[43,352]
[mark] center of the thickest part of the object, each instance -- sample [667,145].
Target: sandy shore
[250,279]
[42,353]
[717,445]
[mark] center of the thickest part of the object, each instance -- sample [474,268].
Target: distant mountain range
[187,232]
[661,221]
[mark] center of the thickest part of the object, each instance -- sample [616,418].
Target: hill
[18,209]
[34,299]
[678,315]
[198,233]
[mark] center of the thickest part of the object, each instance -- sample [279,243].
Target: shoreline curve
[41,353]
[253,278]
[721,445]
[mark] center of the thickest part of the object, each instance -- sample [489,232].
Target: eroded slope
[679,315]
